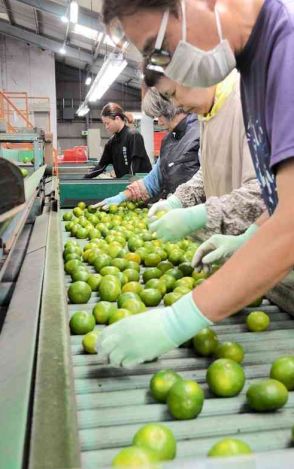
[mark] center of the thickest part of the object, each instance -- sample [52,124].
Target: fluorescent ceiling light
[87,32]
[64,19]
[62,50]
[73,12]
[107,74]
[88,81]
[83,110]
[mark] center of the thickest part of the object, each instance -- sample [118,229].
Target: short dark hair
[113,110]
[120,8]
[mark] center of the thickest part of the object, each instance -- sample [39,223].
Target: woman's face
[111,125]
[198,100]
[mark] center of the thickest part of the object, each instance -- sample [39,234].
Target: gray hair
[153,105]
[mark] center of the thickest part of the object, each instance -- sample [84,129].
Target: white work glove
[115,200]
[179,223]
[219,247]
[143,337]
[169,204]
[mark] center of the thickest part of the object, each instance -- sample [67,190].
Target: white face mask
[195,67]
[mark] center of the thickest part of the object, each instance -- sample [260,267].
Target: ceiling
[38,22]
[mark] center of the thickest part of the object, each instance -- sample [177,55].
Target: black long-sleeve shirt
[126,152]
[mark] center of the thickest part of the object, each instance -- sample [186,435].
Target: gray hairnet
[154,106]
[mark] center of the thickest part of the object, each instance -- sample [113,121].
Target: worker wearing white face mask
[194,67]
[261,35]
[224,197]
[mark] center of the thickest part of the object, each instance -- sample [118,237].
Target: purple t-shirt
[267,90]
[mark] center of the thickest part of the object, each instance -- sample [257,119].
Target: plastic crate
[158,137]
[75,155]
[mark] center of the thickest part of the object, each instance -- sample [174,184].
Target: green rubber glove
[220,247]
[179,223]
[145,336]
[170,203]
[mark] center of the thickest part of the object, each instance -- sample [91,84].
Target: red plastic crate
[75,155]
[158,136]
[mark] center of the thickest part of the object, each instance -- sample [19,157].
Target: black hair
[113,110]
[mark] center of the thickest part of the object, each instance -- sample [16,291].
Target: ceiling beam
[43,42]
[8,11]
[54,46]
[86,17]
[37,23]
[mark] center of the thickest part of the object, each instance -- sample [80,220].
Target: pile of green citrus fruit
[112,258]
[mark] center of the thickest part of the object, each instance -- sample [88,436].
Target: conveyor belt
[113,403]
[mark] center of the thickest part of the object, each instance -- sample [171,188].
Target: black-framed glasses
[158,57]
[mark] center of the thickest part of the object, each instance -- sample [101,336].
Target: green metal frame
[54,429]
[17,351]
[34,138]
[37,406]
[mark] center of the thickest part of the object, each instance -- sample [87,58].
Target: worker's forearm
[255,268]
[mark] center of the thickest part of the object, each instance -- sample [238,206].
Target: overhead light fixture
[88,81]
[62,50]
[74,11]
[87,32]
[83,110]
[108,73]
[64,19]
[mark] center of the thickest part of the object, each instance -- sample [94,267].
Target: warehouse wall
[70,92]
[69,134]
[27,68]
